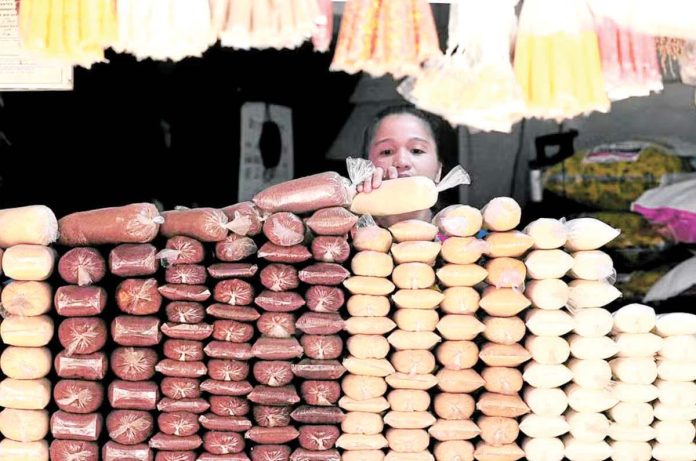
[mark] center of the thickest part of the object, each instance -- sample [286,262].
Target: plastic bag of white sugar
[676,323]
[634,318]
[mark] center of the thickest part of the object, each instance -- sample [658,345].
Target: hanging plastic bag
[382,36]
[673,208]
[687,64]
[557,60]
[629,61]
[675,282]
[473,84]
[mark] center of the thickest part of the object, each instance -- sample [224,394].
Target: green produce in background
[635,285]
[612,176]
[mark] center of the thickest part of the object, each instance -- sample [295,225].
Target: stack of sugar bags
[364,386]
[25,234]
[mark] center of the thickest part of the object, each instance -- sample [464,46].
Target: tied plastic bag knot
[158,220]
[4,313]
[359,169]
[167,256]
[458,176]
[240,225]
[83,276]
[130,425]
[74,455]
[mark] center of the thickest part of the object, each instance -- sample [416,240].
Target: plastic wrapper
[197,406]
[228,350]
[31,394]
[324,298]
[322,347]
[125,395]
[194,332]
[320,393]
[129,330]
[214,422]
[183,350]
[189,274]
[319,323]
[91,367]
[133,260]
[175,292]
[228,370]
[554,90]
[277,349]
[330,249]
[476,68]
[226,388]
[232,270]
[162,441]
[223,443]
[82,266]
[284,229]
[32,225]
[73,450]
[180,388]
[82,335]
[138,296]
[26,298]
[272,435]
[75,301]
[279,277]
[238,313]
[235,248]
[78,397]
[68,426]
[24,425]
[234,292]
[459,220]
[182,250]
[244,218]
[23,451]
[178,369]
[324,274]
[273,373]
[133,363]
[335,221]
[229,405]
[276,324]
[113,451]
[318,369]
[279,302]
[203,224]
[129,427]
[185,312]
[232,331]
[290,255]
[136,223]
[306,194]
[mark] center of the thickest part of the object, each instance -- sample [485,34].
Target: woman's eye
[417,151]
[386,152]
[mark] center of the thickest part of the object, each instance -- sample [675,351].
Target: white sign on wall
[253,175]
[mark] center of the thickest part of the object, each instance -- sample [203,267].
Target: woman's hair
[434,124]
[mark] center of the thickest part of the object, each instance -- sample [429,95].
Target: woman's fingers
[377,178]
[392,173]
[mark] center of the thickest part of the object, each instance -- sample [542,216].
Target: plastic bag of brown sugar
[279,302]
[368,306]
[361,442]
[502,380]
[137,363]
[178,250]
[579,450]
[232,270]
[318,369]
[420,456]
[413,276]
[272,435]
[418,299]
[454,450]
[362,423]
[461,275]
[324,274]
[138,296]
[332,221]
[203,224]
[550,323]
[320,323]
[82,266]
[543,449]
[185,312]
[277,348]
[235,248]
[445,430]
[197,406]
[459,327]
[549,294]
[546,376]
[503,302]
[502,355]
[637,370]
[264,395]
[26,331]
[26,362]
[640,345]
[413,230]
[408,440]
[459,381]
[273,373]
[214,422]
[377,405]
[229,405]
[416,252]
[359,387]
[416,319]
[322,347]
[284,229]
[459,220]
[324,299]
[318,437]
[135,223]
[363,455]
[180,388]
[512,244]
[454,406]
[506,273]
[501,214]
[174,292]
[275,253]
[593,322]
[409,419]
[375,286]
[368,367]
[372,264]
[548,350]
[78,397]
[24,425]
[403,340]
[194,332]
[486,452]
[368,346]
[504,330]
[279,277]
[507,406]
[30,298]
[498,431]
[546,402]
[591,294]
[276,324]
[632,414]
[307,414]
[267,416]
[544,426]
[413,361]
[458,355]
[369,325]
[415,382]
[547,233]
[634,318]
[65,450]
[330,249]
[70,301]
[600,347]
[463,250]
[409,400]
[192,274]
[245,218]
[587,400]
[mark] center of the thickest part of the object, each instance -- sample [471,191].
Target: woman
[402,141]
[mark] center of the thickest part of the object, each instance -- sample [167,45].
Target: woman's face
[405,142]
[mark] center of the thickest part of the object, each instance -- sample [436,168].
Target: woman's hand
[378,176]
